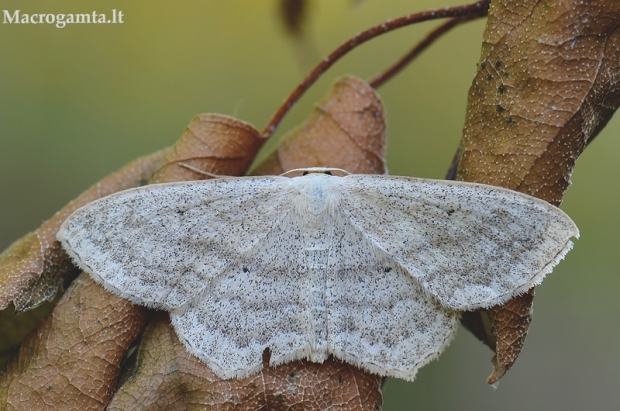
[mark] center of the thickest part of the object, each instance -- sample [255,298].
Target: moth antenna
[316,170]
[199,171]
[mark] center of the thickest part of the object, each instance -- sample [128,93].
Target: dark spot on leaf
[501,89]
[509,120]
[500,108]
[498,64]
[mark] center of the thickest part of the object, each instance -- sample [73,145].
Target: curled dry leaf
[72,359]
[31,269]
[510,323]
[346,130]
[547,83]
[212,143]
[502,328]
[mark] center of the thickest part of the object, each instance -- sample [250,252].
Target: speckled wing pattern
[160,245]
[469,245]
[371,269]
[309,302]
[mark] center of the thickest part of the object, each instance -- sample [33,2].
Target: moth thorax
[315,195]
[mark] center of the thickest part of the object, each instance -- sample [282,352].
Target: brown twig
[391,71]
[454,165]
[326,63]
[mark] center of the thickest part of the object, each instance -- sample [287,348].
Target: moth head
[331,171]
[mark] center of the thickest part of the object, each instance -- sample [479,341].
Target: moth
[372,269]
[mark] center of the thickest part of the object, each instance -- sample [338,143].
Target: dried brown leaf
[547,83]
[31,269]
[73,358]
[13,328]
[211,143]
[509,323]
[346,130]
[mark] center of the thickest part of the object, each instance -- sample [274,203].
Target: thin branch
[390,72]
[362,37]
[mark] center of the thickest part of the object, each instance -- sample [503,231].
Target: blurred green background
[79,102]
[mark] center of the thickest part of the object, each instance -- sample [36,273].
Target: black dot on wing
[387,269]
[245,270]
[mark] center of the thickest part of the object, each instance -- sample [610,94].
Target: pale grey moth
[373,269]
